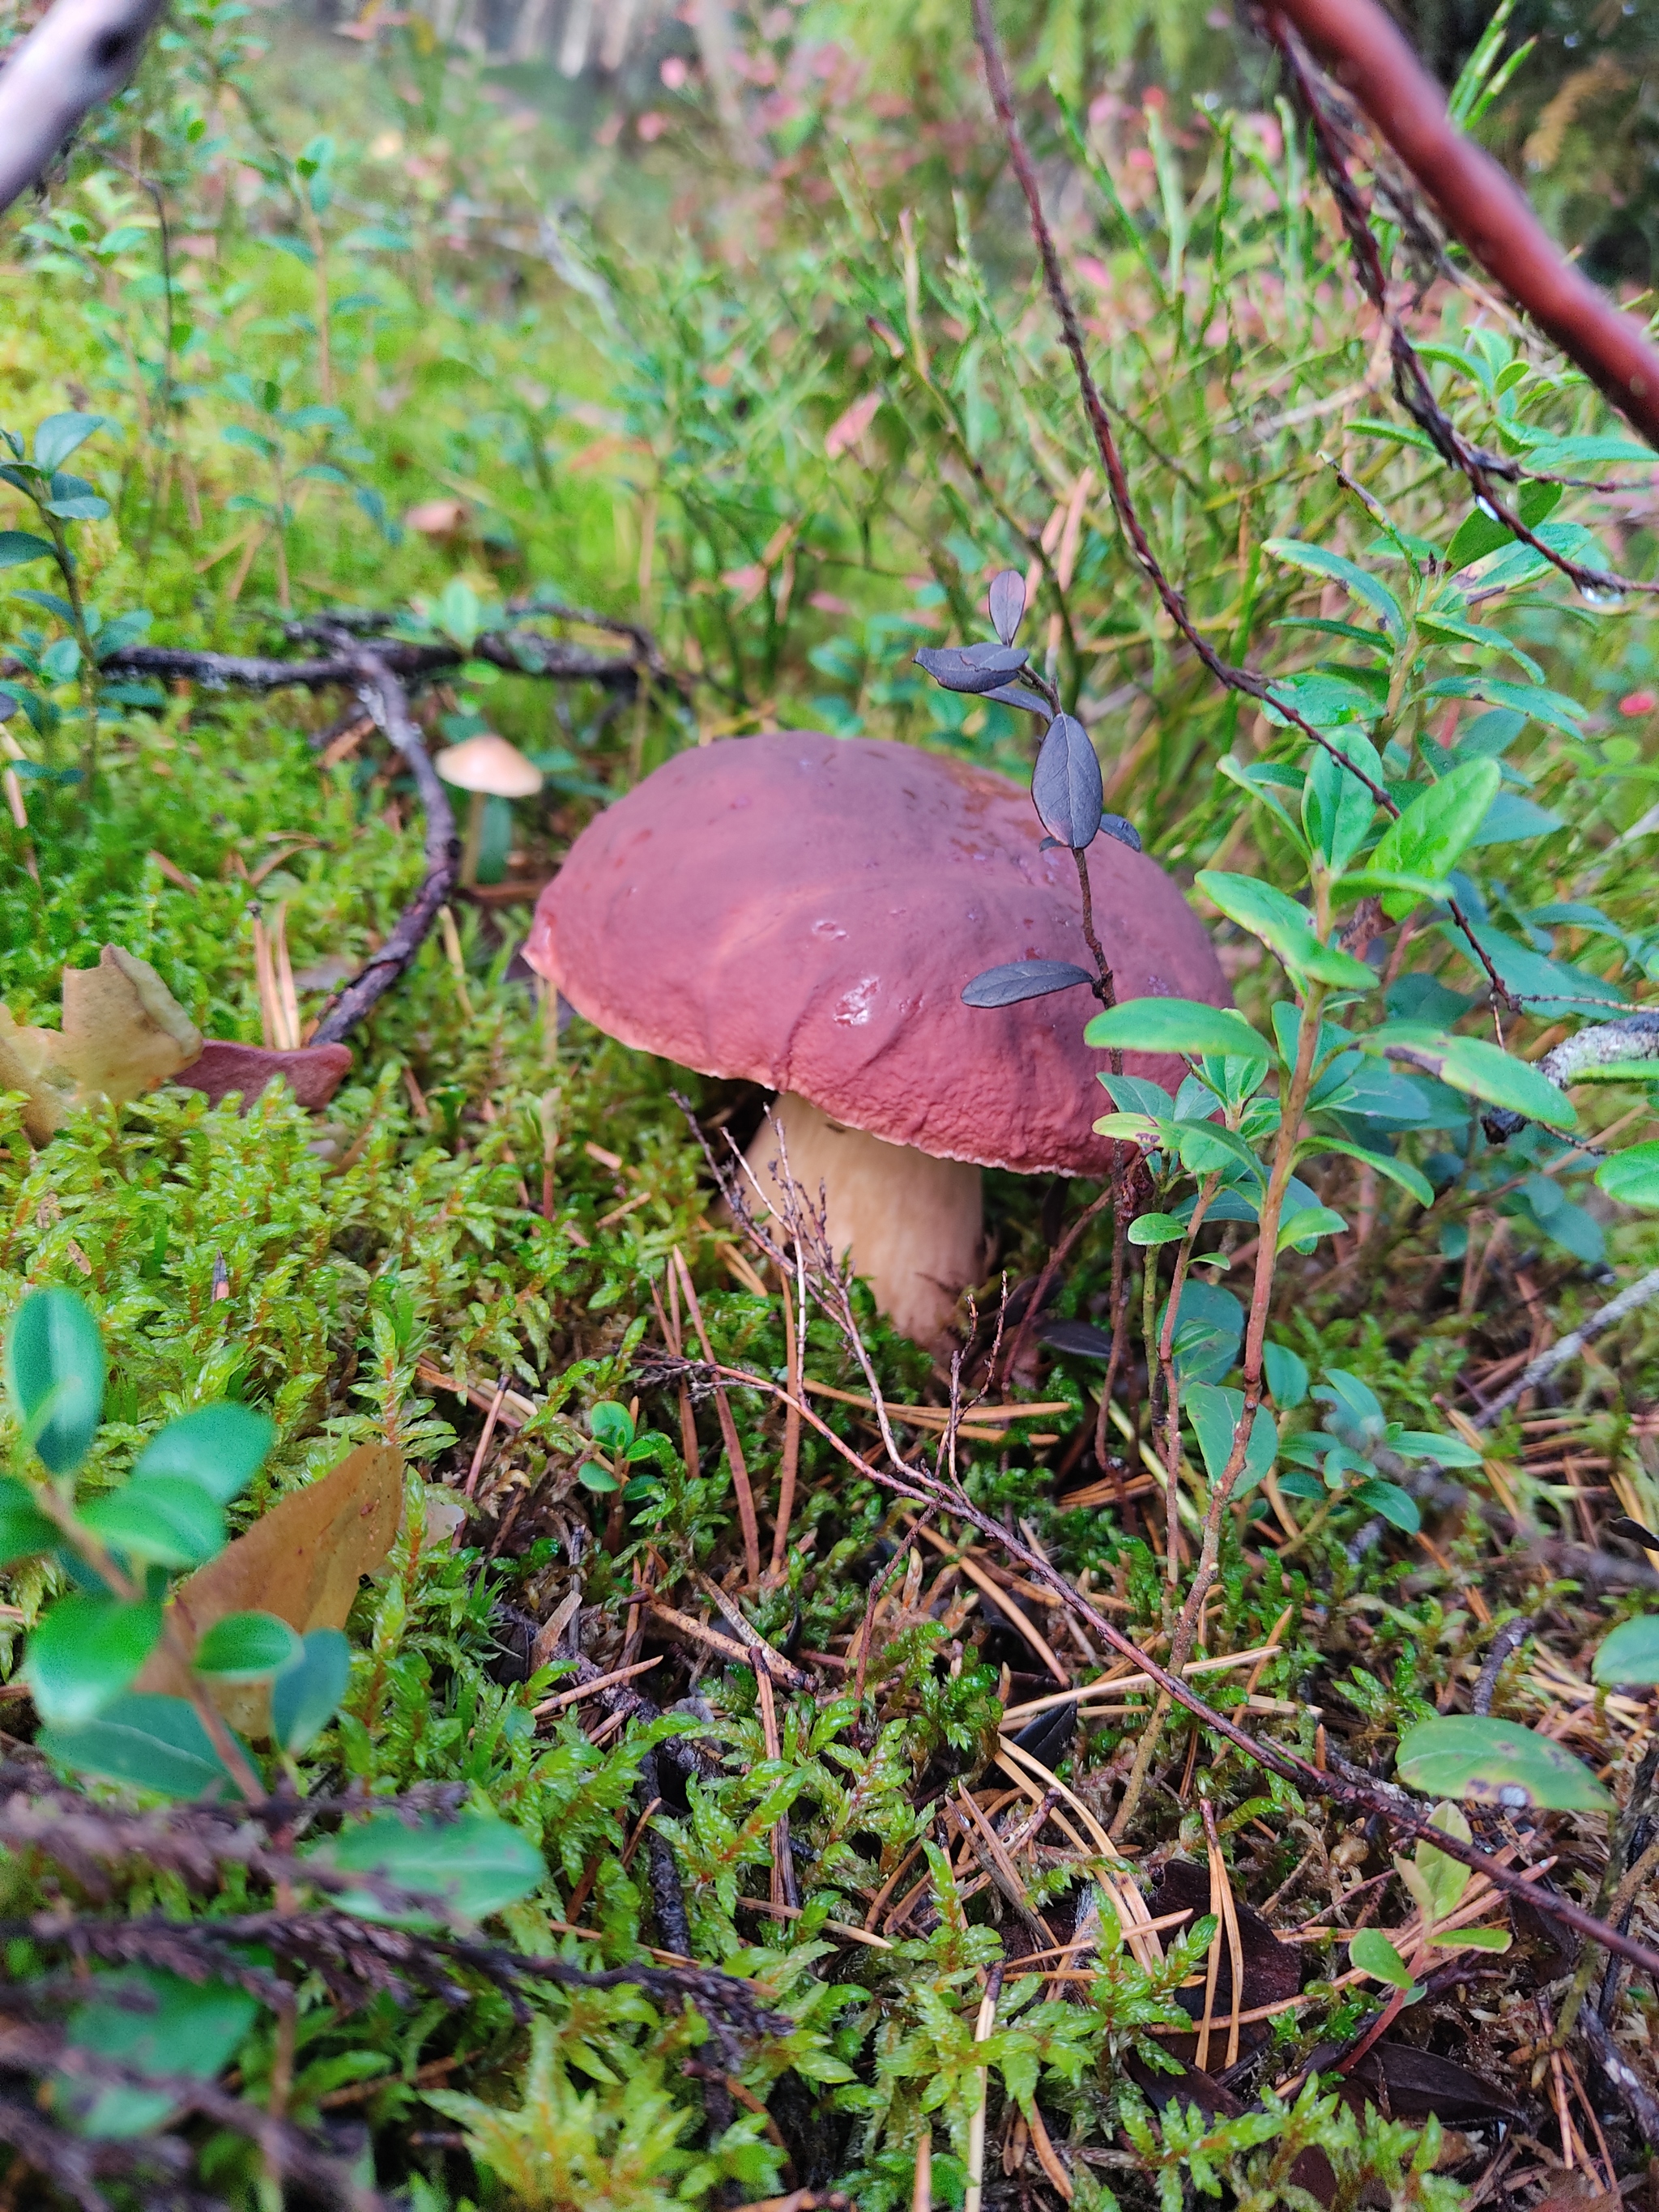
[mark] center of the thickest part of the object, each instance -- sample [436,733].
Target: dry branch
[519,653]
[386,700]
[380,668]
[1479,203]
[1173,599]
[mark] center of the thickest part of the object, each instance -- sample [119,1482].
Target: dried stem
[386,700]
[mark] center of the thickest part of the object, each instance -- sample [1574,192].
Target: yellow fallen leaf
[123,1028]
[28,1063]
[302,1561]
[123,1031]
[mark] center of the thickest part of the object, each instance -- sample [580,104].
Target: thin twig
[1629,1300]
[385,697]
[1225,672]
[1357,1793]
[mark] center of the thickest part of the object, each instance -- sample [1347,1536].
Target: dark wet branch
[519,653]
[387,701]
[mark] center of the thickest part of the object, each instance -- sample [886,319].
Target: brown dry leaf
[123,1031]
[302,1561]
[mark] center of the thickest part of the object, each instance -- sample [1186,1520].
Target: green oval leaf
[154,1743]
[1307,1224]
[247,1647]
[163,1518]
[1287,1376]
[1492,1762]
[1482,1070]
[85,1652]
[1630,1654]
[1631,1176]
[1397,1506]
[612,1425]
[219,1447]
[1215,1413]
[1183,1026]
[24,1529]
[1154,1229]
[472,1866]
[55,1371]
[153,2022]
[1395,1172]
[1438,826]
[1371,1951]
[60,436]
[304,1698]
[1318,560]
[19,547]
[1473,1939]
[1284,928]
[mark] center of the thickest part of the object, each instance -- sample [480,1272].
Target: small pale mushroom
[443,520]
[489,767]
[804,911]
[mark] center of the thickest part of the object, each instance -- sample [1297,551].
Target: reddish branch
[1479,203]
[1336,150]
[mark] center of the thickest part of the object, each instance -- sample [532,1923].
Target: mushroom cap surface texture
[488,764]
[804,911]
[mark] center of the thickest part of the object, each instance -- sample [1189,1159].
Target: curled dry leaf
[302,1561]
[122,1032]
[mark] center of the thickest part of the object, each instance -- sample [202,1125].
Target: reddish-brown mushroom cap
[804,911]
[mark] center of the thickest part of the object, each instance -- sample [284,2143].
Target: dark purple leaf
[1049,1737]
[1006,603]
[1016,695]
[1067,788]
[1121,827]
[1632,1531]
[1022,979]
[1419,2082]
[1080,1339]
[970,667]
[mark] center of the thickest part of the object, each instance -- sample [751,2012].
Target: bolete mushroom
[804,911]
[489,767]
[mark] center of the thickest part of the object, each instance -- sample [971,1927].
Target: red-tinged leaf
[314,1073]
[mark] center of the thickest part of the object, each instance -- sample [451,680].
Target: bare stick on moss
[385,699]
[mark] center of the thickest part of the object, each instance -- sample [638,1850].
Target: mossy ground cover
[793,438]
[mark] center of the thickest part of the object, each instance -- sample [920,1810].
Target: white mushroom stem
[472,850]
[914,1225]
